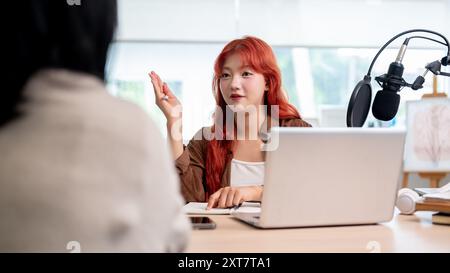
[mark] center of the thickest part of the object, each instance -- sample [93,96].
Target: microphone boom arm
[406,32]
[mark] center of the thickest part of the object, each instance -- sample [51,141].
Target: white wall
[353,23]
[176,20]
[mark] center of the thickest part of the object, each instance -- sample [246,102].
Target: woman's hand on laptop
[232,196]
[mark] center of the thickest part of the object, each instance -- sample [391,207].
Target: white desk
[414,233]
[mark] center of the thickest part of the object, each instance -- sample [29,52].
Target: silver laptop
[330,176]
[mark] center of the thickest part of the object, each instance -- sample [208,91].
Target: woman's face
[240,85]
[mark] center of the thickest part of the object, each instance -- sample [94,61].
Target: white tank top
[245,173]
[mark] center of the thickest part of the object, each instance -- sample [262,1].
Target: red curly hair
[259,56]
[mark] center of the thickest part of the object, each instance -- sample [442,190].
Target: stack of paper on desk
[445,188]
[438,197]
[434,199]
[200,208]
[441,194]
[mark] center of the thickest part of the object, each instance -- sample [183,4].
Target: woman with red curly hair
[224,165]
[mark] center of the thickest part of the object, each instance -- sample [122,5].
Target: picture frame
[427,146]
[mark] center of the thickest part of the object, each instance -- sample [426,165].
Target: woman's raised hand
[165,99]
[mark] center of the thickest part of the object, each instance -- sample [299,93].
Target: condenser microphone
[386,102]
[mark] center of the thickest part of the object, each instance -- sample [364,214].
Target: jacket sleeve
[190,166]
[297,122]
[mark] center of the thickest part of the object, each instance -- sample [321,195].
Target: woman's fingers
[230,197]
[162,90]
[160,82]
[213,199]
[226,197]
[223,198]
[237,199]
[156,86]
[218,199]
[167,91]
